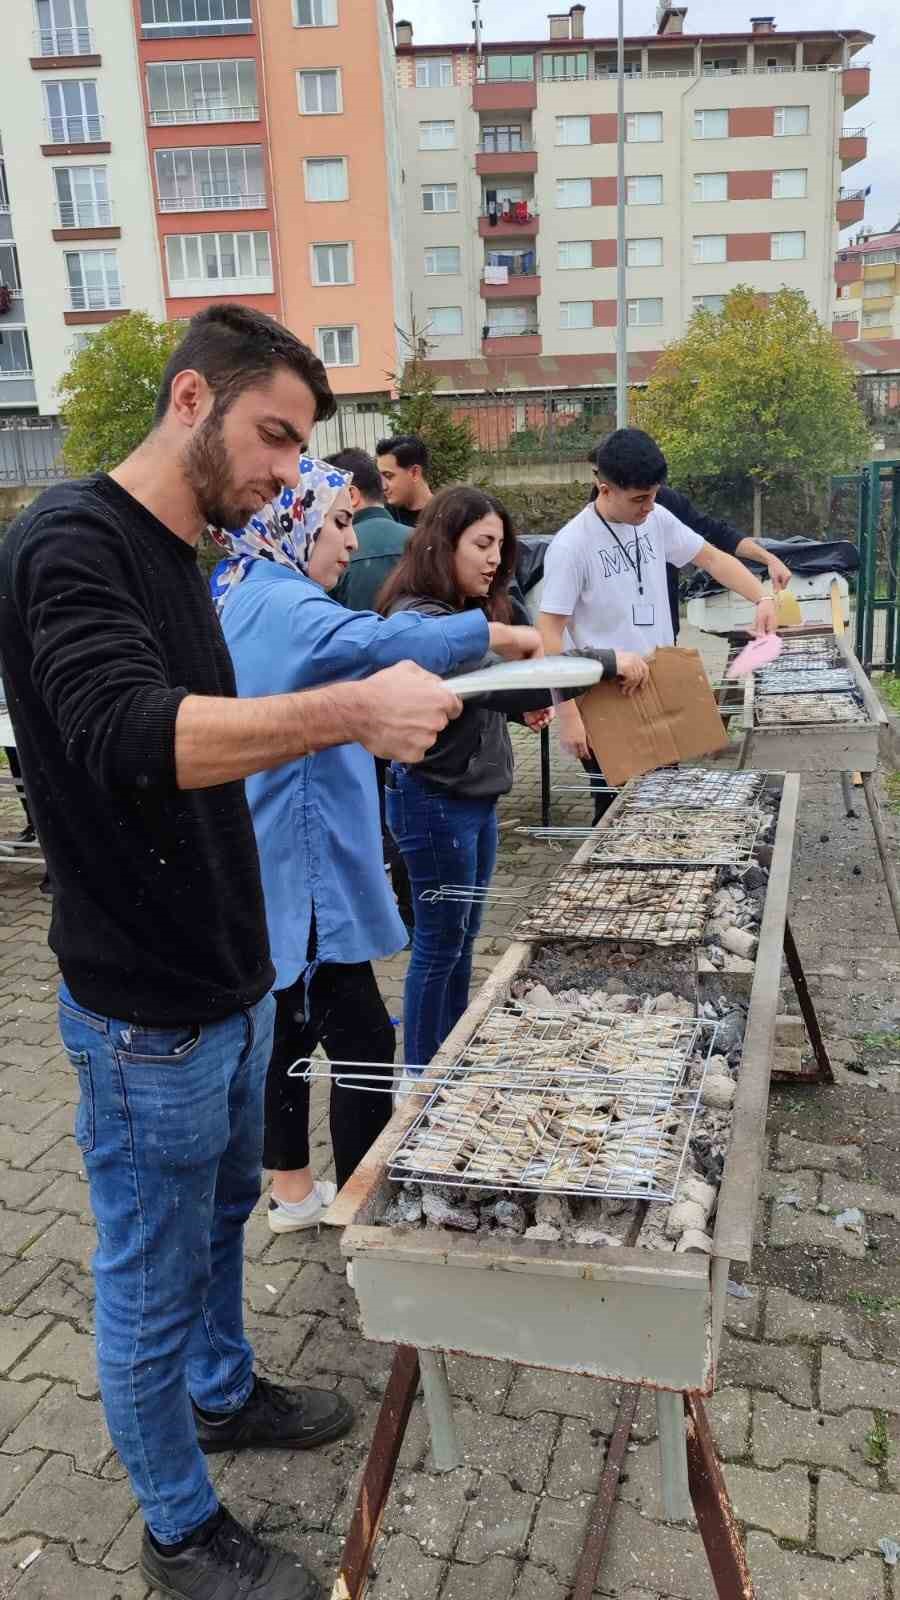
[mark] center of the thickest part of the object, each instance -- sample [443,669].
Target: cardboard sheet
[673,717]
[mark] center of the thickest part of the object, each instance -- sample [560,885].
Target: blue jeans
[443,839]
[170,1125]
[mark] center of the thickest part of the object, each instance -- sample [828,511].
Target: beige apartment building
[867,275]
[735,160]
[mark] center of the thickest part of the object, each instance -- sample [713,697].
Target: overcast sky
[440,21]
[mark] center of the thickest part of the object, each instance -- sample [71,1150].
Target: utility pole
[621,305]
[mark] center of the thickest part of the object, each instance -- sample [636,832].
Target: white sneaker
[287,1216]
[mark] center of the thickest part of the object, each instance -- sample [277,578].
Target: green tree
[108,393]
[417,410]
[759,391]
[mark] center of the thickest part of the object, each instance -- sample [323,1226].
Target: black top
[408,518]
[717,533]
[106,623]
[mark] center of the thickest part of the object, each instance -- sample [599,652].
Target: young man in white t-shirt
[605,572]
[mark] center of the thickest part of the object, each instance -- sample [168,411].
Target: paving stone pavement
[807,1413]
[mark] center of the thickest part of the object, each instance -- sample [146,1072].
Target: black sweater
[106,623]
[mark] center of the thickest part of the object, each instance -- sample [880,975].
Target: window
[319,93]
[201,91]
[442,261]
[94,283]
[709,302]
[499,140]
[203,19]
[576,314]
[571,192]
[445,322]
[710,247]
[644,191]
[439,197]
[315,13]
[82,197]
[711,186]
[73,111]
[63,28]
[876,258]
[504,321]
[574,253]
[573,130]
[434,72]
[644,313]
[644,253]
[518,68]
[15,354]
[789,184]
[332,263]
[873,288]
[727,64]
[876,319]
[791,120]
[224,177]
[788,246]
[338,346]
[710,124]
[9,269]
[568,64]
[325,178]
[644,127]
[437,135]
[233,263]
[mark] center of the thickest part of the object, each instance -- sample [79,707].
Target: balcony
[190,115]
[848,270]
[78,135]
[845,325]
[855,81]
[851,207]
[233,201]
[511,341]
[491,162]
[511,279]
[505,96]
[61,47]
[519,222]
[167,19]
[92,219]
[93,303]
[853,146]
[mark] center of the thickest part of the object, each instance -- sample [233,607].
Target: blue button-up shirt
[317,819]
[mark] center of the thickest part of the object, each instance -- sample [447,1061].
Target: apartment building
[78,243]
[867,277]
[735,154]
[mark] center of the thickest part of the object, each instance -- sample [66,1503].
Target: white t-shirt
[592,581]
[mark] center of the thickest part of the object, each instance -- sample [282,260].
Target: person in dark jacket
[722,536]
[404,463]
[443,810]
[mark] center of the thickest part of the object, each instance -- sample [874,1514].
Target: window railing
[84,213]
[853,133]
[215,27]
[233,201]
[490,332]
[487,148]
[16,372]
[851,194]
[845,316]
[80,129]
[595,74]
[207,113]
[64,42]
[509,216]
[99,297]
[517,271]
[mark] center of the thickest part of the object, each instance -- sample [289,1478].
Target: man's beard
[208,471]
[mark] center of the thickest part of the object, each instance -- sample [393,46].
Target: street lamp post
[621,305]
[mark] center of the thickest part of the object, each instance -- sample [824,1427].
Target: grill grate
[501,1119]
[782,709]
[818,680]
[697,788]
[662,905]
[712,837]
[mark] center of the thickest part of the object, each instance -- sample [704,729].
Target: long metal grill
[697,788]
[668,836]
[790,680]
[513,1124]
[782,709]
[662,905]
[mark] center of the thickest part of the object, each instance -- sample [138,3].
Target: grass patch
[878,1444]
[892,786]
[873,1304]
[881,1041]
[889,687]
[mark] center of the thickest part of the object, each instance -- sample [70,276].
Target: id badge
[643,614]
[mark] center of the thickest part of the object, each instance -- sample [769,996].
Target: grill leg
[545,777]
[847,791]
[445,1451]
[714,1511]
[356,1557]
[884,845]
[808,1011]
[602,1509]
[676,1495]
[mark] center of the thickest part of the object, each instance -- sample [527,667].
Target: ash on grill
[670,835]
[783,709]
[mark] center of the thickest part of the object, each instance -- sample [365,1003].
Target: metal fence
[30,452]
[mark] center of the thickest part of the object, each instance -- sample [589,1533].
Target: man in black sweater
[133,747]
[722,536]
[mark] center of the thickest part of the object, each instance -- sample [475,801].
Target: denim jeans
[170,1125]
[444,838]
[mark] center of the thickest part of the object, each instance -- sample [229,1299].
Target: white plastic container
[724,612]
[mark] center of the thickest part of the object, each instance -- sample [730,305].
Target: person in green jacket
[382,540]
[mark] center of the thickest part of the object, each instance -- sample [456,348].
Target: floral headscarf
[284,532]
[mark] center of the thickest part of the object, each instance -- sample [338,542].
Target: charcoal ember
[731,1031]
[739,942]
[539,997]
[694,1239]
[756,879]
[715,955]
[510,1216]
[553,1210]
[709,1157]
[595,1236]
[543,1230]
[622,1002]
[443,1214]
[718,1090]
[409,1205]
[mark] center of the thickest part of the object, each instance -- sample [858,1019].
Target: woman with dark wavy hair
[443,811]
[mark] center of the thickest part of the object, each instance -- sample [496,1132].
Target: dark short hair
[630,459]
[366,477]
[426,566]
[233,348]
[407,449]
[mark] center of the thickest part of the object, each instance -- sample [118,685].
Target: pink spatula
[758,653]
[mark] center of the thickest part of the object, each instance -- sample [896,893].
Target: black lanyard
[635,563]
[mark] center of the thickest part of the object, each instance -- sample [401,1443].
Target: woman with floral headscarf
[329,908]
